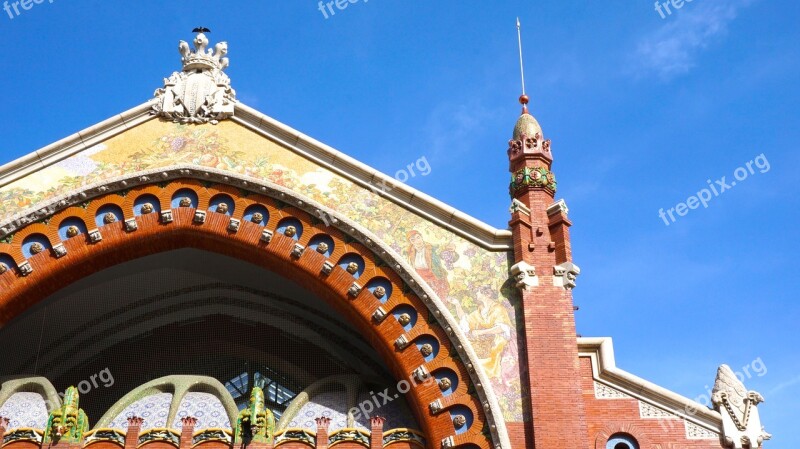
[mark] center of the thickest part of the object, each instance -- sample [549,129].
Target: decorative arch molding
[614,428]
[109,239]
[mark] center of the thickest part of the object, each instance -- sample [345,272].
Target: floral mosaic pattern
[206,407]
[154,409]
[396,414]
[469,279]
[25,410]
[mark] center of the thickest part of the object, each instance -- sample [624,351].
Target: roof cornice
[357,172]
[604,370]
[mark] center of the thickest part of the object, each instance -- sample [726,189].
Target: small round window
[622,441]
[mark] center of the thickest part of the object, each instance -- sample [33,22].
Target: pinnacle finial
[523,99]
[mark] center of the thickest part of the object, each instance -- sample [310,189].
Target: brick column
[134,429]
[542,255]
[376,436]
[187,431]
[322,432]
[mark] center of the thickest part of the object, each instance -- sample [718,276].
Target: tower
[545,275]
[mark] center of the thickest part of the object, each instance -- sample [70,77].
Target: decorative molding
[649,411]
[201,92]
[604,370]
[741,424]
[519,206]
[603,391]
[538,177]
[524,275]
[558,206]
[695,432]
[565,275]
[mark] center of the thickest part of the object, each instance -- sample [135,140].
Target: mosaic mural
[25,410]
[154,409]
[469,279]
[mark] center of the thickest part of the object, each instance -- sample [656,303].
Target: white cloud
[672,49]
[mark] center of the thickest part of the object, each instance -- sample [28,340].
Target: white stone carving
[201,92]
[166,216]
[298,250]
[436,406]
[649,411]
[131,225]
[519,206]
[564,275]
[199,216]
[354,290]
[401,342]
[379,315]
[95,236]
[327,267]
[234,225]
[448,442]
[603,391]
[421,373]
[266,236]
[695,432]
[25,268]
[59,251]
[741,424]
[558,206]
[525,275]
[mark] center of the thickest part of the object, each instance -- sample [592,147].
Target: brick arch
[613,428]
[260,244]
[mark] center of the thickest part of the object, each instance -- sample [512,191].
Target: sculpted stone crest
[741,424]
[201,92]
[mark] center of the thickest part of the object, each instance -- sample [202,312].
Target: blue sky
[641,109]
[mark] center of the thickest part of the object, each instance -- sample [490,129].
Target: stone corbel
[524,275]
[564,275]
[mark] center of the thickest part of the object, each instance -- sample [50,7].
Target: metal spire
[524,98]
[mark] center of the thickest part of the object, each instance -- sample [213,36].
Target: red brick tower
[545,276]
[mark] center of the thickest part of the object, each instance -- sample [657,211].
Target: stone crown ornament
[201,92]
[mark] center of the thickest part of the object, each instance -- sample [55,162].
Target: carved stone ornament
[233,225]
[564,275]
[741,424]
[147,208]
[379,292]
[535,177]
[60,250]
[3,268]
[222,208]
[73,231]
[401,342]
[131,225]
[266,236]
[421,373]
[36,248]
[448,442]
[298,249]
[426,349]
[354,290]
[327,267]
[290,231]
[257,217]
[109,218]
[166,216]
[379,315]
[95,236]
[25,268]
[185,202]
[445,384]
[199,216]
[524,275]
[404,319]
[201,92]
[459,420]
[435,406]
[322,248]
[352,268]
